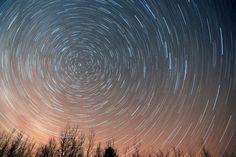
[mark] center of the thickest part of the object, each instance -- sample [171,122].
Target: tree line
[72,143]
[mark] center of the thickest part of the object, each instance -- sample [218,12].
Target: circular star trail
[163,72]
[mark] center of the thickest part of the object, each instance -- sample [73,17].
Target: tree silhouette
[137,146]
[48,150]
[110,152]
[15,145]
[5,142]
[98,152]
[90,145]
[71,143]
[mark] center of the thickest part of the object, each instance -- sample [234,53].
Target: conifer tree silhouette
[110,152]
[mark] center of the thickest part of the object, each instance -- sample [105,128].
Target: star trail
[160,71]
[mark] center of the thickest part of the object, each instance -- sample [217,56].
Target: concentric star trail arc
[160,71]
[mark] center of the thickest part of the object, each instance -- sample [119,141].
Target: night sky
[159,71]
